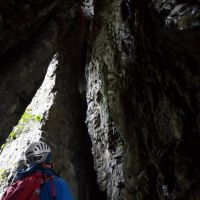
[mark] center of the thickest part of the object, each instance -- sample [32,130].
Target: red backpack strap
[44,178]
[53,188]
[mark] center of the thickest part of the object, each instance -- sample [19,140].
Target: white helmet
[37,152]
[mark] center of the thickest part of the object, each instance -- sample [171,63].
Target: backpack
[28,188]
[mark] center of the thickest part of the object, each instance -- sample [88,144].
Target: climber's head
[38,153]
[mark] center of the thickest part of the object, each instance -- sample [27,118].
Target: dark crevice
[94,192]
[90,190]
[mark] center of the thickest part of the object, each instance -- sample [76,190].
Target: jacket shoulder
[62,189]
[59,180]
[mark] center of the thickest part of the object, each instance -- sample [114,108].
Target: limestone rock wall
[28,41]
[143,85]
[28,129]
[27,44]
[22,72]
[127,88]
[104,74]
[62,128]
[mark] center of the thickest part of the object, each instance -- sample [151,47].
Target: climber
[40,168]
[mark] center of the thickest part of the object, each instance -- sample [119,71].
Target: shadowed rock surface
[22,70]
[127,92]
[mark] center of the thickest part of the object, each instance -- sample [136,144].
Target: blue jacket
[62,188]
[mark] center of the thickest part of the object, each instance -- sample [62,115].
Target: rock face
[127,87]
[22,73]
[143,86]
[103,90]
[28,42]
[66,112]
[28,129]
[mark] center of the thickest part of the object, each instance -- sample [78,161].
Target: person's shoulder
[62,189]
[58,180]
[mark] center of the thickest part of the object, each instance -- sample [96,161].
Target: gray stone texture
[103,98]
[143,83]
[28,129]
[65,126]
[139,102]
[28,41]
[22,72]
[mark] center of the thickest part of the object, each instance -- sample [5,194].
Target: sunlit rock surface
[29,127]
[29,33]
[22,72]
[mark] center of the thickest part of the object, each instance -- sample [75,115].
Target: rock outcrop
[23,70]
[143,98]
[126,92]
[28,40]
[28,129]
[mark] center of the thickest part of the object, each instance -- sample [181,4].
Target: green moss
[26,117]
[3,146]
[12,135]
[17,130]
[2,172]
[38,118]
[19,127]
